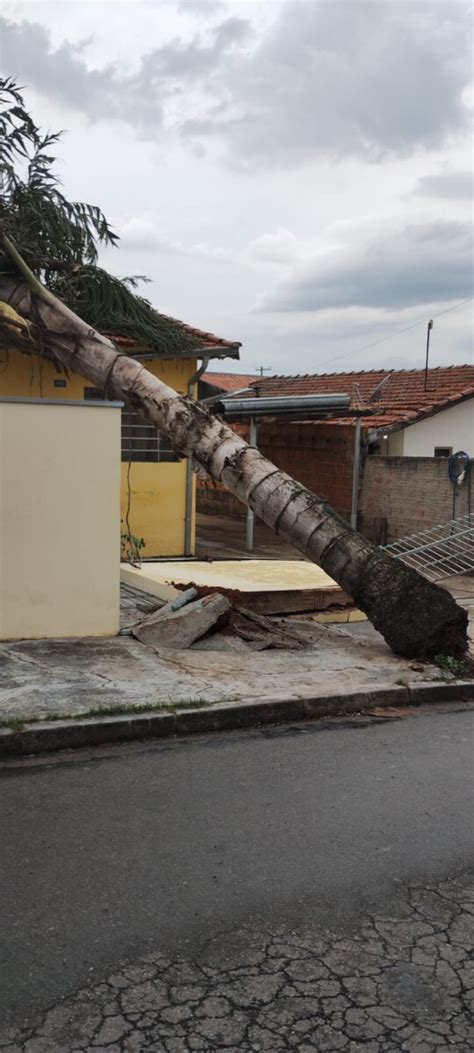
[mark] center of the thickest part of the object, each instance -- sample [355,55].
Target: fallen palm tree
[416,617]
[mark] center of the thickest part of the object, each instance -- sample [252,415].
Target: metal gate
[439,552]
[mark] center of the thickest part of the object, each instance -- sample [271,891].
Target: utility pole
[264,369]
[428,331]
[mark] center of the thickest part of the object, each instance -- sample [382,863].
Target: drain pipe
[355,475]
[250,526]
[188,514]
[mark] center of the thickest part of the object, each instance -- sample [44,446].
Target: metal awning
[294,407]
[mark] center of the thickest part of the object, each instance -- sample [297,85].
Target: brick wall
[317,455]
[213,499]
[401,495]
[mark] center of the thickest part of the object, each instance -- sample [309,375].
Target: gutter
[213,351]
[188,514]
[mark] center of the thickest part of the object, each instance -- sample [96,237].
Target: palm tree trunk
[417,618]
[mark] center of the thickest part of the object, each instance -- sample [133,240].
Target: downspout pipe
[250,526]
[188,514]
[355,475]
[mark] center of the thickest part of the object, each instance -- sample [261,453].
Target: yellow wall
[59,520]
[157,491]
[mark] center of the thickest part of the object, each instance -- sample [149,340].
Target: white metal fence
[439,552]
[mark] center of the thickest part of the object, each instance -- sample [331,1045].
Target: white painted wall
[393,446]
[451,427]
[59,519]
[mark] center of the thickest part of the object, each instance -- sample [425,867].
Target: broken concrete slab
[135,602]
[264,633]
[139,579]
[265,586]
[178,629]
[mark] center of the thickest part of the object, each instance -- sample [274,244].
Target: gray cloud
[352,78]
[423,264]
[138,99]
[200,7]
[143,236]
[453,185]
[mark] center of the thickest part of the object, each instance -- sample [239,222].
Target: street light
[428,331]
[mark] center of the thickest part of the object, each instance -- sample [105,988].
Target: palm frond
[59,239]
[110,305]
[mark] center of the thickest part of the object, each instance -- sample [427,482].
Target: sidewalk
[98,681]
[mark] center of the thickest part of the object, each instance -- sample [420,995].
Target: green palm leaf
[60,239]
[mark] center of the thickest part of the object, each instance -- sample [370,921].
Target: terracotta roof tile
[209,339]
[229,348]
[398,396]
[229,381]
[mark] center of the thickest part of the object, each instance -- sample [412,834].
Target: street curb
[46,736]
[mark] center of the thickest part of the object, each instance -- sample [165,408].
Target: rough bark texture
[416,617]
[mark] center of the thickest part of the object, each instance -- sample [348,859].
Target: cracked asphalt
[307,888]
[401,981]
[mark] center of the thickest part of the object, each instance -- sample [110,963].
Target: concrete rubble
[261,633]
[175,628]
[188,618]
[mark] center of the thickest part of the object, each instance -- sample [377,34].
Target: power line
[383,339]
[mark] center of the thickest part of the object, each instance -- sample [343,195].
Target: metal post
[428,331]
[250,513]
[189,493]
[355,475]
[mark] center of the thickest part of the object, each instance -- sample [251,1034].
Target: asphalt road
[159,849]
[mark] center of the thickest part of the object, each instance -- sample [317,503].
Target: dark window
[140,440]
[443,451]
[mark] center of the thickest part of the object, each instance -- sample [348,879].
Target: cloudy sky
[296,175]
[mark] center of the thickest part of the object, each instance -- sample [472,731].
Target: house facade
[157,485]
[438,435]
[406,416]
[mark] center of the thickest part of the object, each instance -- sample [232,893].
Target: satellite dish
[458,465]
